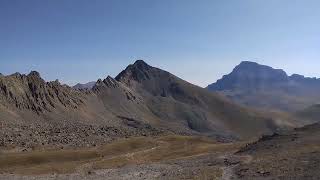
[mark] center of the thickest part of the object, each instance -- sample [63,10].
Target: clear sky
[197,40]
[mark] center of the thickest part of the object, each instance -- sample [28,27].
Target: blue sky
[199,41]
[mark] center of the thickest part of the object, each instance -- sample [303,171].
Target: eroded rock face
[110,87]
[139,71]
[110,82]
[33,93]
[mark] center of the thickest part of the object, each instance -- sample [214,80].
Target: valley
[159,90]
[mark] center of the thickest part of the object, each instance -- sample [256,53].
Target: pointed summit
[17,74]
[35,77]
[109,78]
[97,84]
[140,64]
[138,71]
[34,73]
[110,82]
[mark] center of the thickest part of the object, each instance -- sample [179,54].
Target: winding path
[228,170]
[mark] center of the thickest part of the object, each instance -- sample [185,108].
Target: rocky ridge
[33,93]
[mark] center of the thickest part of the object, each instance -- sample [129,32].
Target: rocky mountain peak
[140,64]
[98,84]
[250,75]
[139,71]
[34,74]
[35,79]
[17,75]
[262,71]
[248,64]
[109,78]
[99,81]
[262,86]
[110,82]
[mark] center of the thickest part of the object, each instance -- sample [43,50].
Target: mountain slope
[286,155]
[261,86]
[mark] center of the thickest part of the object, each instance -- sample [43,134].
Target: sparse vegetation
[123,152]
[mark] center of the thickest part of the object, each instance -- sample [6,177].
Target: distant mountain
[262,86]
[141,100]
[88,85]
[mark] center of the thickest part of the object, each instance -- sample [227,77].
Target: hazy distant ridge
[262,86]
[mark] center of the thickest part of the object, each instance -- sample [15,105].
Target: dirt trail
[231,162]
[88,167]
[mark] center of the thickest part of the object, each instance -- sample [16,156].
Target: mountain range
[140,100]
[264,87]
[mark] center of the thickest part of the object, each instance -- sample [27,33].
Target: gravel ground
[198,167]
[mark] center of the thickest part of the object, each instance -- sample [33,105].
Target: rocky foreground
[285,155]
